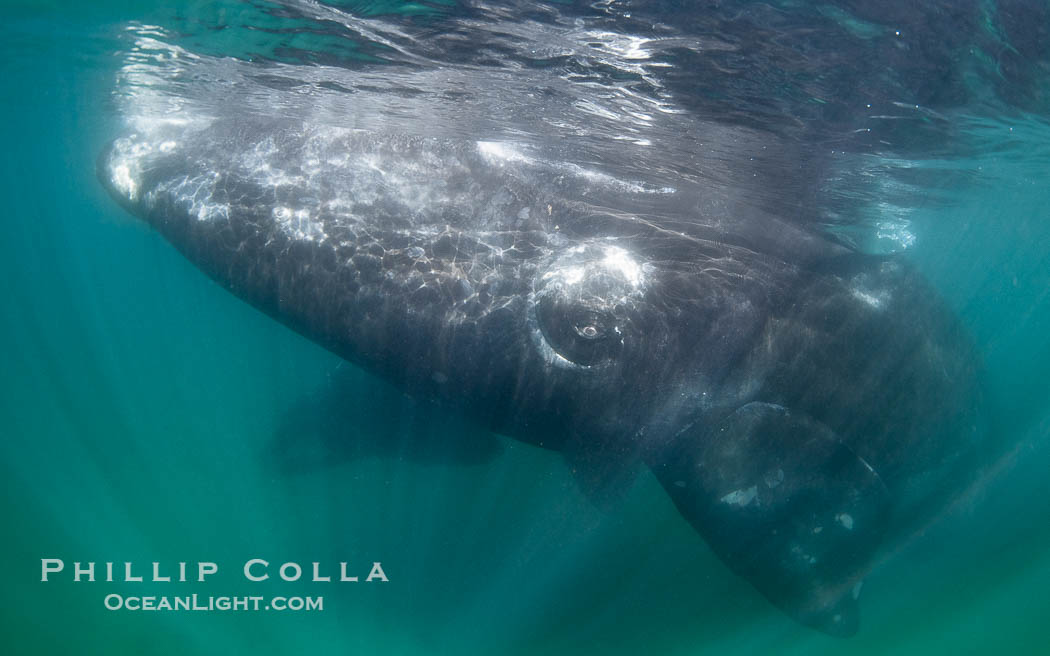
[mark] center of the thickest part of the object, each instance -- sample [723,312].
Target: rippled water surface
[144,411]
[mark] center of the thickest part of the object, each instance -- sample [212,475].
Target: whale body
[802,404]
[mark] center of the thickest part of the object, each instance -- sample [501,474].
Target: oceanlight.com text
[194,602]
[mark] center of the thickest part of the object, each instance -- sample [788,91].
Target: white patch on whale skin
[869,298]
[846,520]
[741,498]
[124,181]
[618,260]
[125,165]
[572,275]
[131,155]
[870,294]
[499,152]
[617,184]
[614,261]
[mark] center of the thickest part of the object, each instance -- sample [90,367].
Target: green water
[137,401]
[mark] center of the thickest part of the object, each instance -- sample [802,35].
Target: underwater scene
[456,327]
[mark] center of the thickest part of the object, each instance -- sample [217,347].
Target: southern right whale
[802,404]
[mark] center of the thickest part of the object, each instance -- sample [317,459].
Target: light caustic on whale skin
[801,404]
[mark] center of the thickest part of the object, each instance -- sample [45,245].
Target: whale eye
[590,331]
[580,334]
[583,303]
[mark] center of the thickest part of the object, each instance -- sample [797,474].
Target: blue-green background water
[137,401]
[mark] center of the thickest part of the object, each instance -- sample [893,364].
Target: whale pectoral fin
[603,473]
[351,416]
[786,505]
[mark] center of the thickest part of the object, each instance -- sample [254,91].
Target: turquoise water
[139,401]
